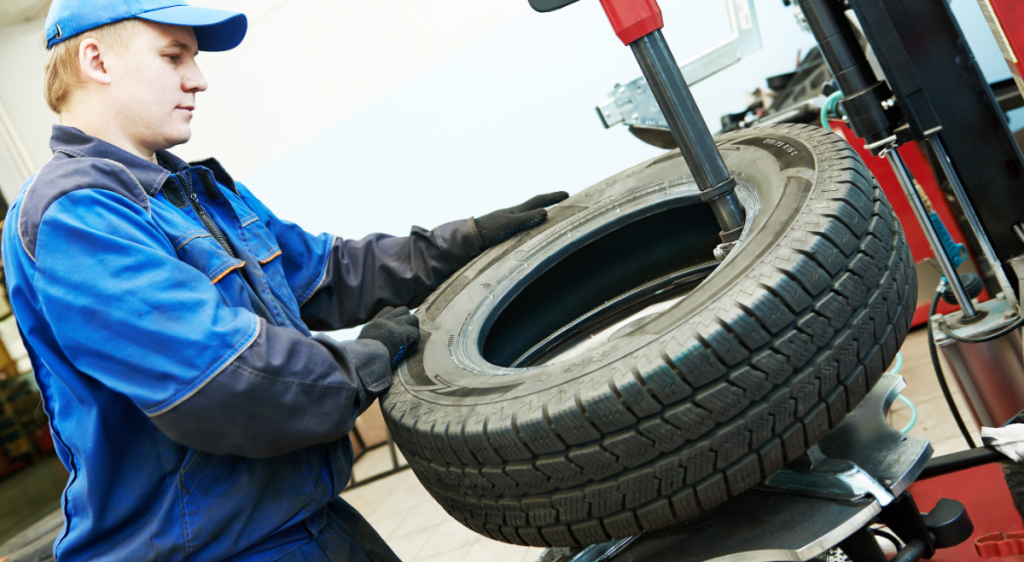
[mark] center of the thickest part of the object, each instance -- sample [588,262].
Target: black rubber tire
[696,404]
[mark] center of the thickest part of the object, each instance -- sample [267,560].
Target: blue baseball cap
[216,30]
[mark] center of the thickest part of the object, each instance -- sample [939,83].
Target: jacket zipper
[211,226]
[218,235]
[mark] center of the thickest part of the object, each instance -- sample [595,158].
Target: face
[153,85]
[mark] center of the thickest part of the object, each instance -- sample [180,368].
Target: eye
[173,58]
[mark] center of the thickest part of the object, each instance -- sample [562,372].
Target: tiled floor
[420,531]
[415,526]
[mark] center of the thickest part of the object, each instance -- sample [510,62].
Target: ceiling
[18,11]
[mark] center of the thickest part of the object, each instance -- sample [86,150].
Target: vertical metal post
[906,179]
[972,218]
[638,24]
[862,91]
[689,130]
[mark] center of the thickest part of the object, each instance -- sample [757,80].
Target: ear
[91,60]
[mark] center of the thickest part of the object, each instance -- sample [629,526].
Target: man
[167,312]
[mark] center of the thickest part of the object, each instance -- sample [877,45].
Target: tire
[536,434]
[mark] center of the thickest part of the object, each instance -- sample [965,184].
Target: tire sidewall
[448,368]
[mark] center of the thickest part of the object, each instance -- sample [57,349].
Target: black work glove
[397,329]
[498,226]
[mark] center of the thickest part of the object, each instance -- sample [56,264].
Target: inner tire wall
[704,412]
[649,248]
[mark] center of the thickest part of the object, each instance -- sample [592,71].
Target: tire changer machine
[906,74]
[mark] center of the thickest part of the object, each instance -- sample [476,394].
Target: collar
[75,143]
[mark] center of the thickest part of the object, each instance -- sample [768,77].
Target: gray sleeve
[364,276]
[285,392]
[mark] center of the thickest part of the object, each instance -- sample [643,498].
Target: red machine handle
[632,19]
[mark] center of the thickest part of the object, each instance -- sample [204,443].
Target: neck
[105,131]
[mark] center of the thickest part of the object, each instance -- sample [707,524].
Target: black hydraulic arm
[863,93]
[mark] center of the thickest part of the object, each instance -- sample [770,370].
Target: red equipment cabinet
[1006,19]
[984,493]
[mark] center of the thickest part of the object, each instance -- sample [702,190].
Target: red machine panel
[1006,19]
[983,492]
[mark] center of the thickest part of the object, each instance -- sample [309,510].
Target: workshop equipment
[932,93]
[638,25]
[933,97]
[989,373]
[917,159]
[858,473]
[529,479]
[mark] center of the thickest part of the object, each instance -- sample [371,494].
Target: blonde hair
[63,75]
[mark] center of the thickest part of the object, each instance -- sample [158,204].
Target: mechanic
[167,312]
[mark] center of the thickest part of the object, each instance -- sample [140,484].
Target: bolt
[722,251]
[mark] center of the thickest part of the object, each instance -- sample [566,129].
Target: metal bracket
[833,479]
[990,374]
[995,314]
[634,105]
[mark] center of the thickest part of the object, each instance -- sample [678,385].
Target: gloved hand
[498,226]
[397,329]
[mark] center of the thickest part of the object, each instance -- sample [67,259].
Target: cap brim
[216,30]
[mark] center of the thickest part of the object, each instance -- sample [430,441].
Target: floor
[420,531]
[36,491]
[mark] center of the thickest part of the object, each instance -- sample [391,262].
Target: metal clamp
[996,314]
[886,144]
[833,479]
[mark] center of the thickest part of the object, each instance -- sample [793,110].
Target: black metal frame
[941,93]
[396,467]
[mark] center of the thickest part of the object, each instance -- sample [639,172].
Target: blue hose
[957,252]
[913,409]
[831,103]
[913,413]
[899,364]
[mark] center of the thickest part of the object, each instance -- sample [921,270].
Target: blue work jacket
[167,315]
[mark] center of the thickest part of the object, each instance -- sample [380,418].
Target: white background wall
[21,93]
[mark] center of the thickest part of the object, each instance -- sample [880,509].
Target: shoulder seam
[145,196]
[21,216]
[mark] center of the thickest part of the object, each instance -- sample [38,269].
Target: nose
[193,81]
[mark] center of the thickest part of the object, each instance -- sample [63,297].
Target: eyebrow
[181,45]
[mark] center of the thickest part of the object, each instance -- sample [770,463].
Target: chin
[178,137]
